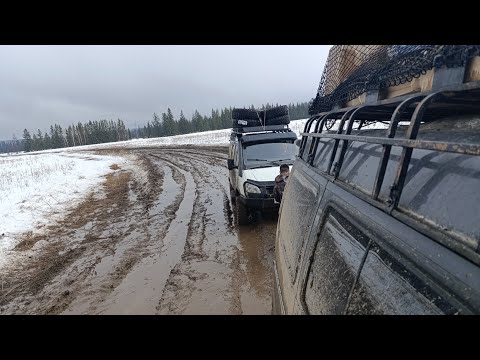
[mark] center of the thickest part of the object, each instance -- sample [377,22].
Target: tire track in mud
[59,258]
[207,279]
[111,268]
[119,291]
[180,284]
[224,188]
[191,249]
[251,257]
[219,272]
[141,288]
[104,228]
[160,238]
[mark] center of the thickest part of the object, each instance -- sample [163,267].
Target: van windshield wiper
[277,162]
[258,166]
[271,162]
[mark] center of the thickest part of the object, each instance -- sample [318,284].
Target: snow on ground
[213,137]
[36,189]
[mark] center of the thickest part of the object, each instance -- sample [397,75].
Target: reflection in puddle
[256,245]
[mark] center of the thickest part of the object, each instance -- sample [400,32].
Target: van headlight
[252,189]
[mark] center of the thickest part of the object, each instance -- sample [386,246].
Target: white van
[254,158]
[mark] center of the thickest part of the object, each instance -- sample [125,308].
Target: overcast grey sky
[41,85]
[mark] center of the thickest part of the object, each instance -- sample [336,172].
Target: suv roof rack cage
[414,108]
[461,99]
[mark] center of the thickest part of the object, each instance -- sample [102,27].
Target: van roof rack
[262,133]
[253,129]
[265,137]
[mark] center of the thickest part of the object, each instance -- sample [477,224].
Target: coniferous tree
[149,130]
[156,126]
[40,140]
[183,124]
[34,142]
[169,124]
[69,136]
[27,141]
[197,122]
[47,141]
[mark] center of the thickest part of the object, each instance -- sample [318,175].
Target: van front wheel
[233,194]
[242,212]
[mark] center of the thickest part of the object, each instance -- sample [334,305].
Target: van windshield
[269,154]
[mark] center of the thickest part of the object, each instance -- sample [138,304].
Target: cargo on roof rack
[278,115]
[365,74]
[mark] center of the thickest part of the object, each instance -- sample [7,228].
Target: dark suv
[384,221]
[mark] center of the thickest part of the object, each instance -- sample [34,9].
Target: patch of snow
[36,189]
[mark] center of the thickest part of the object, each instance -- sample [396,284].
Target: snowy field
[39,187]
[36,189]
[214,137]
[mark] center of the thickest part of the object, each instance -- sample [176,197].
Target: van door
[234,172]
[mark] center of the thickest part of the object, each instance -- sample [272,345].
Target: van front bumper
[258,203]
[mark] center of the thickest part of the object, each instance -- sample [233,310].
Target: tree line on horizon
[104,131]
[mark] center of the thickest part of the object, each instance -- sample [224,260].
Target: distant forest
[103,131]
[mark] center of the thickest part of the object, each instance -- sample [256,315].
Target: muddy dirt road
[159,237]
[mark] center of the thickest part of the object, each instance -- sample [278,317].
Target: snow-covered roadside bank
[36,190]
[207,138]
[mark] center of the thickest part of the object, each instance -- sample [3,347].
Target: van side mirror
[298,142]
[230,164]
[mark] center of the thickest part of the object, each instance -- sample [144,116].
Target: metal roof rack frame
[465,98]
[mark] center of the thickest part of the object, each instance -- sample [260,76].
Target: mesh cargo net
[352,70]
